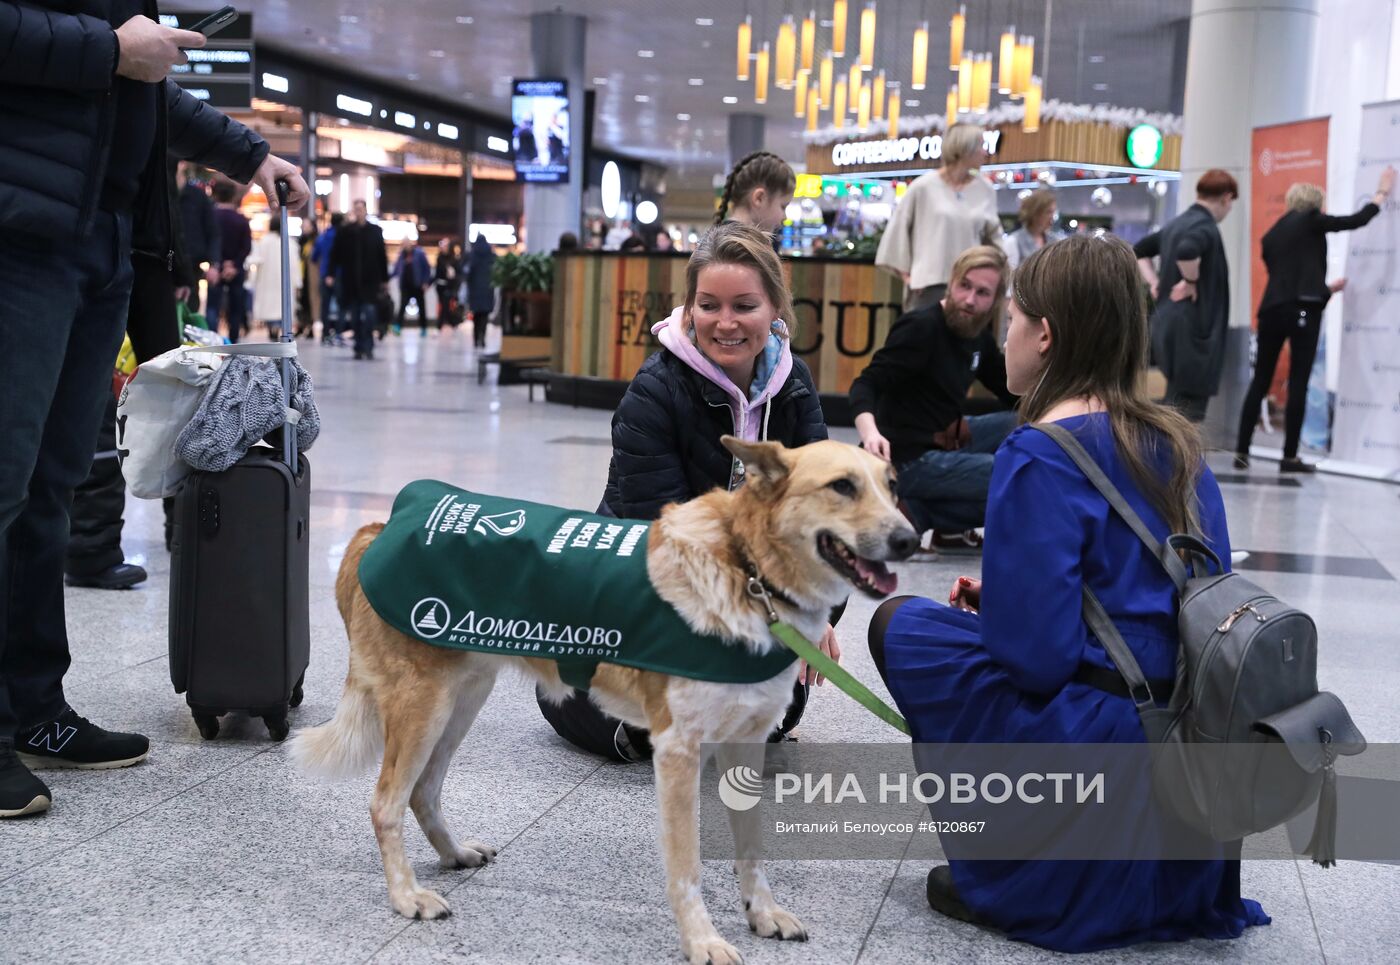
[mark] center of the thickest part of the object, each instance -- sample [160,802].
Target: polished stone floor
[219,852]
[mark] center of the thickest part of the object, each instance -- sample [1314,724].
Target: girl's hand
[966,595]
[828,646]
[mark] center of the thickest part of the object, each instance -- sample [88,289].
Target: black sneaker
[1295,465]
[123,576]
[21,793]
[73,741]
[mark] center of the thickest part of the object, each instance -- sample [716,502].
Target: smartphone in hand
[216,21]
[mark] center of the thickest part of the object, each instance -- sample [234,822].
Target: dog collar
[763,591]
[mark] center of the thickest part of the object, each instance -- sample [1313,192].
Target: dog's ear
[764,462]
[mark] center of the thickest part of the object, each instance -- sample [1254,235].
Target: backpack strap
[1101,625]
[1165,553]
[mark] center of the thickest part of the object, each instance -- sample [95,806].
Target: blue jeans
[948,490]
[62,313]
[236,295]
[361,317]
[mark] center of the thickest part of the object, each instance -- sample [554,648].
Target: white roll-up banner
[1366,430]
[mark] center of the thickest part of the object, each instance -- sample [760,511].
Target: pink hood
[749,422]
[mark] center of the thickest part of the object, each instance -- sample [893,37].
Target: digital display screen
[540,136]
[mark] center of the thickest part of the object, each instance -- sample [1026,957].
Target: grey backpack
[1246,740]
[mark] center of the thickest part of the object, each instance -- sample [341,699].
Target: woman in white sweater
[943,213]
[267,281]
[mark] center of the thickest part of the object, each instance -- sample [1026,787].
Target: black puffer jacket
[667,428]
[57,75]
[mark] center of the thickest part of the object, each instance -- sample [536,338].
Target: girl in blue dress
[1011,661]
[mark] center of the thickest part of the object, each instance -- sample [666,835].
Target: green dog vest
[469,572]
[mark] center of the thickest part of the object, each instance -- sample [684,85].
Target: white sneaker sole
[39,805]
[59,764]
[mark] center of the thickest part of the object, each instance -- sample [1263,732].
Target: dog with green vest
[665,624]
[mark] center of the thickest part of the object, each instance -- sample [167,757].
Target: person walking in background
[412,270]
[943,213]
[360,265]
[757,192]
[309,294]
[321,254]
[203,239]
[267,278]
[236,244]
[1295,254]
[909,400]
[1192,290]
[1037,214]
[447,278]
[481,293]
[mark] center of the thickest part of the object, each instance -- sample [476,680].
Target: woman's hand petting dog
[828,646]
[966,595]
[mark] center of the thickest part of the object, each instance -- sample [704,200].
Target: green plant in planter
[524,273]
[503,271]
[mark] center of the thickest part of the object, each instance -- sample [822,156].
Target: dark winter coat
[1295,253]
[203,240]
[481,294]
[667,428]
[57,117]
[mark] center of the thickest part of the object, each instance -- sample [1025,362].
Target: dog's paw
[713,951]
[420,903]
[469,854]
[776,923]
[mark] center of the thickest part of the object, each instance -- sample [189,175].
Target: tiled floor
[222,852]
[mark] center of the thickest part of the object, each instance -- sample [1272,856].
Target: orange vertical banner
[1283,155]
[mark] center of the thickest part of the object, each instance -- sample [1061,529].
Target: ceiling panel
[1101,51]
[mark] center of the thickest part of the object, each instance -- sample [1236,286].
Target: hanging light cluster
[861,92]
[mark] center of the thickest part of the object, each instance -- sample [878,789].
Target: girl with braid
[757,192]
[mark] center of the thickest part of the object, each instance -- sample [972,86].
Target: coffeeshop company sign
[899,150]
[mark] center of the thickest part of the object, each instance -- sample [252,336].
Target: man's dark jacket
[57,80]
[1188,338]
[1295,253]
[359,262]
[203,242]
[667,428]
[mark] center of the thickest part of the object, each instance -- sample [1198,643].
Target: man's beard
[962,323]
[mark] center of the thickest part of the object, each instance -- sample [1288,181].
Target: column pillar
[464,205]
[1250,63]
[557,45]
[746,133]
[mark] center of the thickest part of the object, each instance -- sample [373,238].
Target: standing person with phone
[72,220]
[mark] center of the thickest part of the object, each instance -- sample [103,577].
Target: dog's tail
[346,746]
[353,739]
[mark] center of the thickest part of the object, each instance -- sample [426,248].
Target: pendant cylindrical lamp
[800,94]
[838,107]
[956,27]
[877,96]
[1031,123]
[951,117]
[809,42]
[965,83]
[982,78]
[867,37]
[1025,59]
[825,84]
[1006,65]
[813,109]
[760,77]
[745,42]
[892,109]
[838,28]
[919,65]
[855,80]
[787,53]
[863,114]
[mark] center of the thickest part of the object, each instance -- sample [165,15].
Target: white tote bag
[159,401]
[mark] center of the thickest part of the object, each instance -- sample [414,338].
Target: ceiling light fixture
[760,77]
[867,37]
[809,41]
[838,28]
[682,117]
[745,42]
[1007,68]
[787,53]
[600,81]
[956,28]
[704,22]
[824,85]
[465,21]
[919,70]
[696,82]
[799,106]
[641,98]
[1031,123]
[731,100]
[646,54]
[892,108]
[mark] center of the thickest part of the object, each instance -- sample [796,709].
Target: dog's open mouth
[870,576]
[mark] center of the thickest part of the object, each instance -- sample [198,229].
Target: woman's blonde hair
[1088,290]
[960,141]
[736,243]
[1035,206]
[1304,197]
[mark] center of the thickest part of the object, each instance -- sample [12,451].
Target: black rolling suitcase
[239,611]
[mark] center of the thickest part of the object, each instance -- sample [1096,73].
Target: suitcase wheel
[297,692]
[208,726]
[277,727]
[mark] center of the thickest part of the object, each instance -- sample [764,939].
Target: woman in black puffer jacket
[725,368]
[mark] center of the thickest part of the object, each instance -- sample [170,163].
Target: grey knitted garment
[242,404]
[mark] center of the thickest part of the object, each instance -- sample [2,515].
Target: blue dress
[1004,676]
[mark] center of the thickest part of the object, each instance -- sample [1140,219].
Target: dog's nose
[903,543]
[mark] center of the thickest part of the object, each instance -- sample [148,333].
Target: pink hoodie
[748,423]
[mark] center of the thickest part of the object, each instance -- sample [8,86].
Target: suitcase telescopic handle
[289,436]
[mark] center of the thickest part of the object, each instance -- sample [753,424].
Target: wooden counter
[605,304]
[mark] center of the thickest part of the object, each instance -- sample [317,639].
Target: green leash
[827,667]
